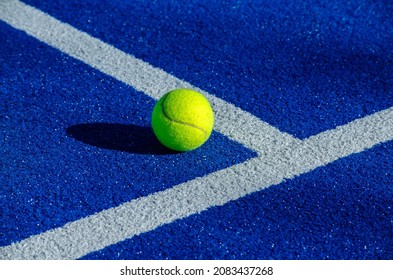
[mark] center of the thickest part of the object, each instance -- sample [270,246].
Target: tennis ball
[182,120]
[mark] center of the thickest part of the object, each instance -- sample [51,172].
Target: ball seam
[180,122]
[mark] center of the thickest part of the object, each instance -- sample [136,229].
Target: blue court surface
[299,165]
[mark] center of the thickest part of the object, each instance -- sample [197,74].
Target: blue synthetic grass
[75,141]
[341,211]
[303,66]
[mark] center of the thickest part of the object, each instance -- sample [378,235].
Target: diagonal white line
[354,137]
[281,156]
[154,82]
[108,227]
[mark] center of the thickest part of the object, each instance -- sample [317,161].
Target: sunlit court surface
[299,165]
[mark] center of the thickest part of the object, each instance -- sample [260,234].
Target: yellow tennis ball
[182,120]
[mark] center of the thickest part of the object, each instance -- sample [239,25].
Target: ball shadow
[119,137]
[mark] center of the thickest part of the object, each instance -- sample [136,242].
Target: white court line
[281,156]
[154,82]
[108,227]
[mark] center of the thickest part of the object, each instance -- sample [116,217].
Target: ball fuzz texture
[182,120]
